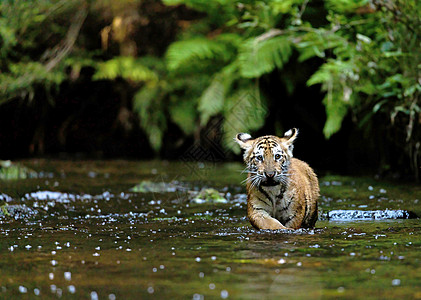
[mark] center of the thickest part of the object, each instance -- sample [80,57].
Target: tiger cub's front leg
[261,219]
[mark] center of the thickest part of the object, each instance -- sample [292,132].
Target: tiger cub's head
[267,157]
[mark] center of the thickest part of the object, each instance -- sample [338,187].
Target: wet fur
[282,191]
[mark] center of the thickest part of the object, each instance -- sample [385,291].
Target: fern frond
[148,104]
[22,77]
[258,57]
[182,55]
[245,110]
[345,6]
[184,114]
[126,67]
[334,76]
[212,100]
[315,43]
[336,110]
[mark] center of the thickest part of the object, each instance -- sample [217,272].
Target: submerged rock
[209,196]
[12,171]
[156,187]
[5,198]
[17,211]
[350,215]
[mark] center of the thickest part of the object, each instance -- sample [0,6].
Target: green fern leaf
[128,68]
[333,76]
[258,57]
[212,100]
[148,104]
[183,113]
[336,110]
[182,55]
[245,110]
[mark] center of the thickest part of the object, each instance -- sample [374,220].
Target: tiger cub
[282,191]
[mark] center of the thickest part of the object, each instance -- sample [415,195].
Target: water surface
[87,235]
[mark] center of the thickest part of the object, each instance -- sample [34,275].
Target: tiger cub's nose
[270,174]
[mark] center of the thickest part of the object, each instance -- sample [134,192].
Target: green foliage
[151,112]
[21,70]
[246,48]
[24,76]
[369,52]
[244,110]
[213,97]
[260,55]
[128,68]
[197,54]
[337,78]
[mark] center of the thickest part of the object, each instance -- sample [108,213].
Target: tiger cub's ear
[289,138]
[244,140]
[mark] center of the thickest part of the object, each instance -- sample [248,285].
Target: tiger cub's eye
[259,157]
[277,156]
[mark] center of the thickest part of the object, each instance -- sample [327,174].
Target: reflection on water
[85,233]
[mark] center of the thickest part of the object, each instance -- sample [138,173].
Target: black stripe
[289,219]
[270,204]
[258,208]
[281,193]
[286,207]
[264,193]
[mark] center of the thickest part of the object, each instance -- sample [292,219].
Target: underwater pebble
[198,297]
[224,294]
[68,276]
[396,282]
[94,295]
[71,289]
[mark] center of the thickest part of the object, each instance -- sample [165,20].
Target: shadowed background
[177,79]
